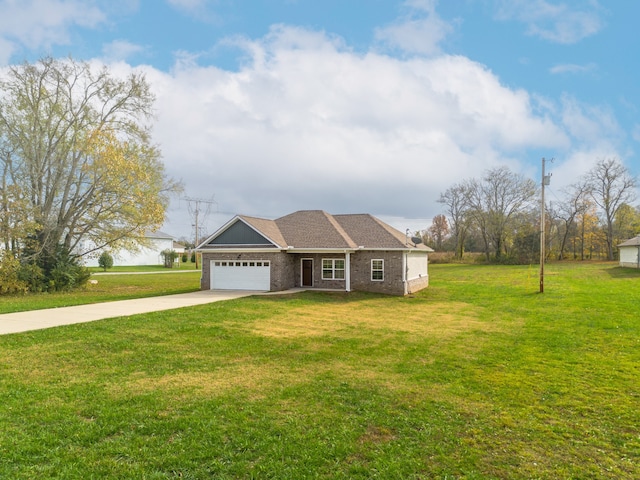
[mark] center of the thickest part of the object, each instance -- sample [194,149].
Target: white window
[332,269]
[377,270]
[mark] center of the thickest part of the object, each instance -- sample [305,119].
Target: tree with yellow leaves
[77,162]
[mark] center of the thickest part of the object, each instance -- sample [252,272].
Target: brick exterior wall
[416,284]
[318,281]
[629,264]
[281,267]
[286,271]
[361,272]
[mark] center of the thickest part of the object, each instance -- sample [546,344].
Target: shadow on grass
[323,297]
[623,272]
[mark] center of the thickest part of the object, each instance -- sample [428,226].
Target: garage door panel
[240,275]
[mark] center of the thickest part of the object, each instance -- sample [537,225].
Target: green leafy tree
[60,271]
[626,223]
[439,231]
[105,261]
[169,257]
[10,281]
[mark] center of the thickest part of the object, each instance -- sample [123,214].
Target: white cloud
[421,31]
[308,123]
[200,9]
[188,4]
[557,22]
[573,68]
[590,125]
[42,23]
[120,50]
[7,49]
[595,134]
[570,168]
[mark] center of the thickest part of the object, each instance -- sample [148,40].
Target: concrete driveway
[53,317]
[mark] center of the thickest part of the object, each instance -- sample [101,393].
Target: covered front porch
[323,271]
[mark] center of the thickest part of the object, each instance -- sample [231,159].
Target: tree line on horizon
[499,216]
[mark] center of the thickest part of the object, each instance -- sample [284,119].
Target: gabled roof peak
[317,229]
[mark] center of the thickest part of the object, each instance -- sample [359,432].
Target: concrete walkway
[53,317]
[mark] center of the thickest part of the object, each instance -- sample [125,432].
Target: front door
[307,272]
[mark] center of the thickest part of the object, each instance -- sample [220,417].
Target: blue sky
[352,106]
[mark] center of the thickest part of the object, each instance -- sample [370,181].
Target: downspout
[405,267]
[405,264]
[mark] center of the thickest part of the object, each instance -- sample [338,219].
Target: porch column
[347,271]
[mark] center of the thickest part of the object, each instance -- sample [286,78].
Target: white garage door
[240,275]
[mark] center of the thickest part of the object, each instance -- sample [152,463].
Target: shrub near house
[105,261]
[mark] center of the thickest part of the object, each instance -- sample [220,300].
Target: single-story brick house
[313,249]
[630,253]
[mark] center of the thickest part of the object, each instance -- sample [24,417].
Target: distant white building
[149,255]
[630,253]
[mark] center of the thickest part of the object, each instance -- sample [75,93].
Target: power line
[193,206]
[196,209]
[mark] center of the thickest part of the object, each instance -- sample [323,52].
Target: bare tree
[611,186]
[455,199]
[494,204]
[575,204]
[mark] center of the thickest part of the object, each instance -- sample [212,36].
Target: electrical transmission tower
[199,209]
[194,206]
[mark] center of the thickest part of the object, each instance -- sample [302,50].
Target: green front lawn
[107,288]
[147,268]
[477,377]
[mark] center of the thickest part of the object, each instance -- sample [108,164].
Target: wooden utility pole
[546,180]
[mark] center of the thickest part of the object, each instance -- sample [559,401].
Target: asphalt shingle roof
[633,242]
[266,227]
[313,229]
[319,229]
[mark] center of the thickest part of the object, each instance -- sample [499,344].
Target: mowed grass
[146,268]
[108,288]
[477,377]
